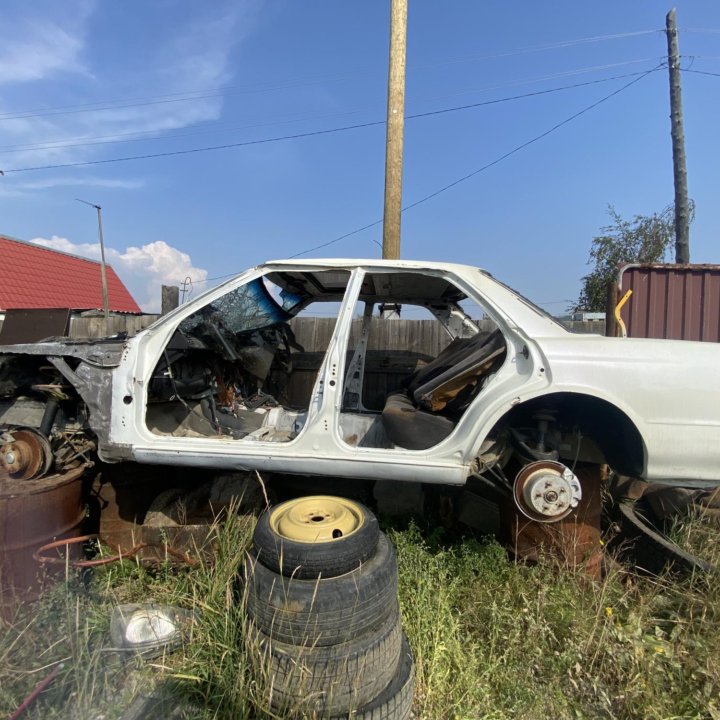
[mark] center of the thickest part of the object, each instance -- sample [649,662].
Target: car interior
[245,365]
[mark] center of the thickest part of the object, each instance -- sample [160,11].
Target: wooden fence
[94,327]
[395,349]
[311,332]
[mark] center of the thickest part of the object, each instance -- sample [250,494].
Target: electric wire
[556,45]
[533,140]
[314,133]
[190,151]
[192,95]
[702,72]
[506,155]
[426,198]
[469,175]
[551,76]
[535,93]
[151,135]
[443,189]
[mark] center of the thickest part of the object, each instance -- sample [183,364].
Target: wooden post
[395,129]
[169,298]
[612,300]
[682,208]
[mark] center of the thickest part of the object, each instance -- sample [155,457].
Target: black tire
[395,701]
[331,679]
[654,552]
[311,560]
[326,611]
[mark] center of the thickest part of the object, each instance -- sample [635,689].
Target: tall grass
[209,675]
[495,639]
[492,638]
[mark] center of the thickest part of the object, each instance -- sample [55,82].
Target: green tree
[644,239]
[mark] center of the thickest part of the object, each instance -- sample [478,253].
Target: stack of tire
[324,619]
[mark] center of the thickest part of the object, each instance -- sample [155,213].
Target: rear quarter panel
[669,389]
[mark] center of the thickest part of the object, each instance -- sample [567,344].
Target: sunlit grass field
[492,638]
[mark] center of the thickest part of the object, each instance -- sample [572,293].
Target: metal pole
[103,273]
[682,207]
[395,129]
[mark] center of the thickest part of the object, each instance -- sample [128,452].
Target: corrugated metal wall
[677,302]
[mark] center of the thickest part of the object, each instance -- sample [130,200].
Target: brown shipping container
[676,302]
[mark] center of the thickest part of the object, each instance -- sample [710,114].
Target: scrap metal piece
[654,551]
[546,491]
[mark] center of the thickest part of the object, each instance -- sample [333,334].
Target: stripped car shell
[207,385]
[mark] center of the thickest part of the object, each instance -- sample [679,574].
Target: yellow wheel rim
[317,518]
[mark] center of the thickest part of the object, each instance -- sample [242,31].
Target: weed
[492,638]
[496,639]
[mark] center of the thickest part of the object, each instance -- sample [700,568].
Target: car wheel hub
[27,456]
[546,491]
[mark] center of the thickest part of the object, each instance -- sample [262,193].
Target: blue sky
[83,81]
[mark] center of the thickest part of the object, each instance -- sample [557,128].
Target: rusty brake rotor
[546,491]
[27,456]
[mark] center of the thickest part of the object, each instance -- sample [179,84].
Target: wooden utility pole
[682,205]
[395,129]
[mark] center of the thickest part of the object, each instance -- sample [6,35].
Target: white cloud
[193,55]
[28,189]
[44,40]
[81,181]
[43,49]
[142,269]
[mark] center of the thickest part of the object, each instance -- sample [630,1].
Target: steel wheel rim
[317,518]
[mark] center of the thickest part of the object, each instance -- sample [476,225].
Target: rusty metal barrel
[32,513]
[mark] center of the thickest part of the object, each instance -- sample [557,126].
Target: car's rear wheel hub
[546,491]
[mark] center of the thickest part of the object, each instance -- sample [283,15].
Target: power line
[551,76]
[342,237]
[190,151]
[152,135]
[327,131]
[553,46]
[702,72]
[435,193]
[532,141]
[208,93]
[525,95]
[186,96]
[490,164]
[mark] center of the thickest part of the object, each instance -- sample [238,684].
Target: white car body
[660,398]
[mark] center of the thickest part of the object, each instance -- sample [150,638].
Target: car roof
[374,262]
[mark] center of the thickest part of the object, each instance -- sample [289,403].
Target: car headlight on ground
[148,628]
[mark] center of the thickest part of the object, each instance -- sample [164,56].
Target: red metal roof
[32,276]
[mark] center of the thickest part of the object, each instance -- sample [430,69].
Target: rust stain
[32,512]
[573,542]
